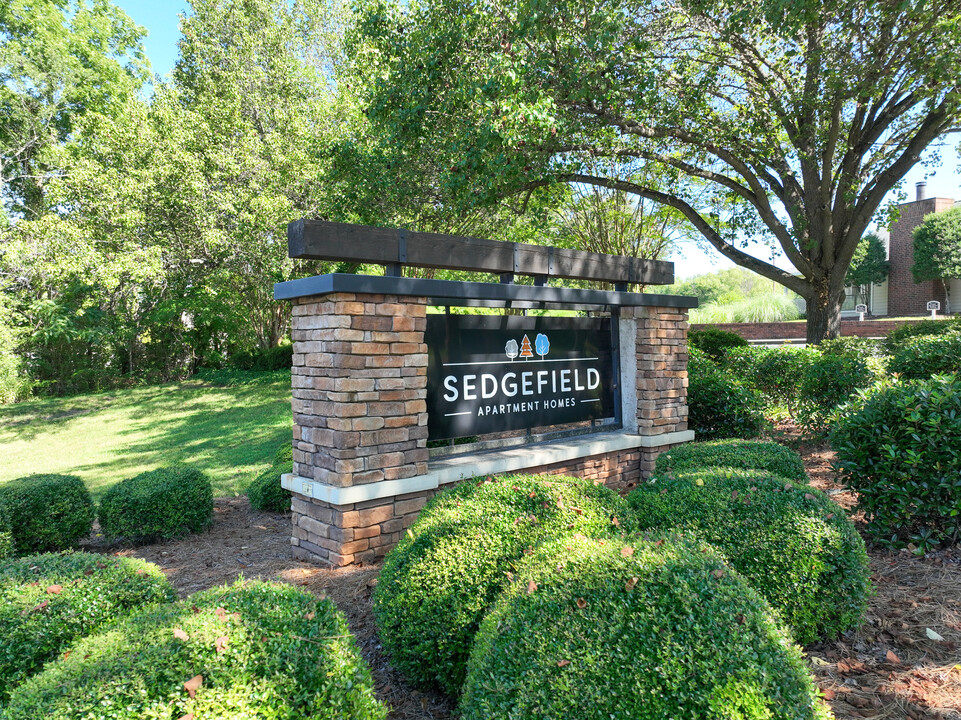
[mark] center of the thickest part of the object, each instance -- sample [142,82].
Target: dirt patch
[903,663]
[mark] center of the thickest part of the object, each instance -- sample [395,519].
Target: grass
[228,425]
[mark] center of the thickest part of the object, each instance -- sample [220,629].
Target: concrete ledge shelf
[495,462]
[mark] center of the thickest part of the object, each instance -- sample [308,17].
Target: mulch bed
[893,667]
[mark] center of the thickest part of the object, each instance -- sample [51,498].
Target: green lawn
[230,432]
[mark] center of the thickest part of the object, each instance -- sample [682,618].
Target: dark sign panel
[492,373]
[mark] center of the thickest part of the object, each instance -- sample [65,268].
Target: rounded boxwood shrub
[922,357]
[48,601]
[899,446]
[639,629]
[265,492]
[719,405]
[436,585]
[249,650]
[750,454]
[714,342]
[794,545]
[47,512]
[162,503]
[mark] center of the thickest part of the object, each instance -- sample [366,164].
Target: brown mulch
[894,667]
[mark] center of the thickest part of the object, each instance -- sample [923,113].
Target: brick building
[899,295]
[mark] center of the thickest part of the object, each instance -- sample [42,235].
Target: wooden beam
[321,240]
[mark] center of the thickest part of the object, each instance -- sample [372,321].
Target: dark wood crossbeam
[343,242]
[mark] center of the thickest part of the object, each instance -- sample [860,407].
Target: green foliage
[828,383]
[266,492]
[274,358]
[48,601]
[594,631]
[896,339]
[776,372]
[261,649]
[743,454]
[899,446]
[928,355]
[767,308]
[795,546]
[162,503]
[721,287]
[6,534]
[438,583]
[714,342]
[720,405]
[47,512]
[869,266]
[937,249]
[14,385]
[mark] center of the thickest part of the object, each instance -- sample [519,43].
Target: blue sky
[161,19]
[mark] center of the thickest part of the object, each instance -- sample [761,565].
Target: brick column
[661,377]
[360,416]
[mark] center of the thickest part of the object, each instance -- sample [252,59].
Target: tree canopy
[869,266]
[800,117]
[937,250]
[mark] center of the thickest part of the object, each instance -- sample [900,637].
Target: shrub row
[44,513]
[792,544]
[899,446]
[922,357]
[720,405]
[48,601]
[266,492]
[641,629]
[438,583]
[250,650]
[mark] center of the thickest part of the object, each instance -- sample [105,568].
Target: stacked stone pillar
[360,416]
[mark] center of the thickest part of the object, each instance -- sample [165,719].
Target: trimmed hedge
[921,358]
[715,342]
[163,503]
[252,650]
[436,585]
[829,382]
[899,446]
[6,535]
[719,405]
[48,601]
[794,545]
[747,454]
[47,512]
[776,372]
[265,491]
[644,630]
[895,339]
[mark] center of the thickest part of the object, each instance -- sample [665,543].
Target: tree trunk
[823,315]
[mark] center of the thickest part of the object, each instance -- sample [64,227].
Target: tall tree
[937,250]
[59,60]
[869,266]
[801,116]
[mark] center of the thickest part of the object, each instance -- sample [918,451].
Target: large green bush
[47,512]
[895,339]
[746,454]
[253,650]
[437,584]
[162,503]
[921,357]
[640,630]
[48,601]
[795,546]
[6,535]
[275,358]
[899,446]
[774,371]
[719,405]
[828,383]
[265,492]
[714,342]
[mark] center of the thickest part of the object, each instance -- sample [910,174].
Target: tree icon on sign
[542,345]
[526,348]
[511,349]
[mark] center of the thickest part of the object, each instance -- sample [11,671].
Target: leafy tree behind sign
[937,250]
[800,117]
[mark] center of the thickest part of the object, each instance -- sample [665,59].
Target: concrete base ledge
[452,469]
